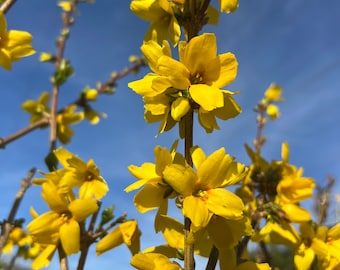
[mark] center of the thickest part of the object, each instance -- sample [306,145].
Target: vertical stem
[189,262]
[7,5]
[61,42]
[62,258]
[8,224]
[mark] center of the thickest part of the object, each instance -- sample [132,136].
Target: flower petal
[149,197]
[195,209]
[70,237]
[179,108]
[227,70]
[198,52]
[182,179]
[82,208]
[208,97]
[224,203]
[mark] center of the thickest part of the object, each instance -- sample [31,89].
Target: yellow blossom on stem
[153,261]
[65,5]
[293,187]
[161,15]
[155,190]
[126,232]
[273,93]
[78,173]
[228,6]
[202,190]
[38,109]
[13,44]
[62,222]
[64,120]
[194,82]
[273,111]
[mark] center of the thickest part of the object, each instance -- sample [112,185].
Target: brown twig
[20,133]
[7,5]
[7,226]
[322,198]
[90,237]
[61,43]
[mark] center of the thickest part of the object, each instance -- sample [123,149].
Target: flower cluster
[70,115]
[192,83]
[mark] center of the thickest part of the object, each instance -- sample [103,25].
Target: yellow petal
[208,97]
[82,208]
[153,261]
[181,179]
[179,108]
[228,233]
[224,203]
[304,258]
[285,152]
[143,86]
[93,189]
[296,214]
[222,70]
[44,258]
[162,158]
[146,171]
[70,237]
[172,231]
[175,71]
[110,241]
[198,156]
[228,6]
[53,199]
[229,110]
[149,197]
[195,209]
[273,93]
[213,169]
[253,266]
[153,51]
[198,52]
[273,111]
[131,235]
[207,120]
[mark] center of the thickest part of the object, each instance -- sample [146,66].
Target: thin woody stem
[7,5]
[189,262]
[61,43]
[8,224]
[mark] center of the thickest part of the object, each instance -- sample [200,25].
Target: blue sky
[291,43]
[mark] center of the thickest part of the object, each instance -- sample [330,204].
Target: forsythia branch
[7,5]
[101,88]
[8,223]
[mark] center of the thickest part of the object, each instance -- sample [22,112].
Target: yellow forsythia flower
[154,261]
[273,93]
[162,18]
[193,82]
[273,111]
[77,173]
[65,5]
[62,222]
[13,44]
[126,232]
[228,5]
[203,190]
[64,120]
[151,178]
[38,109]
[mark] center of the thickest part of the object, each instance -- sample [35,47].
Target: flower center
[196,79]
